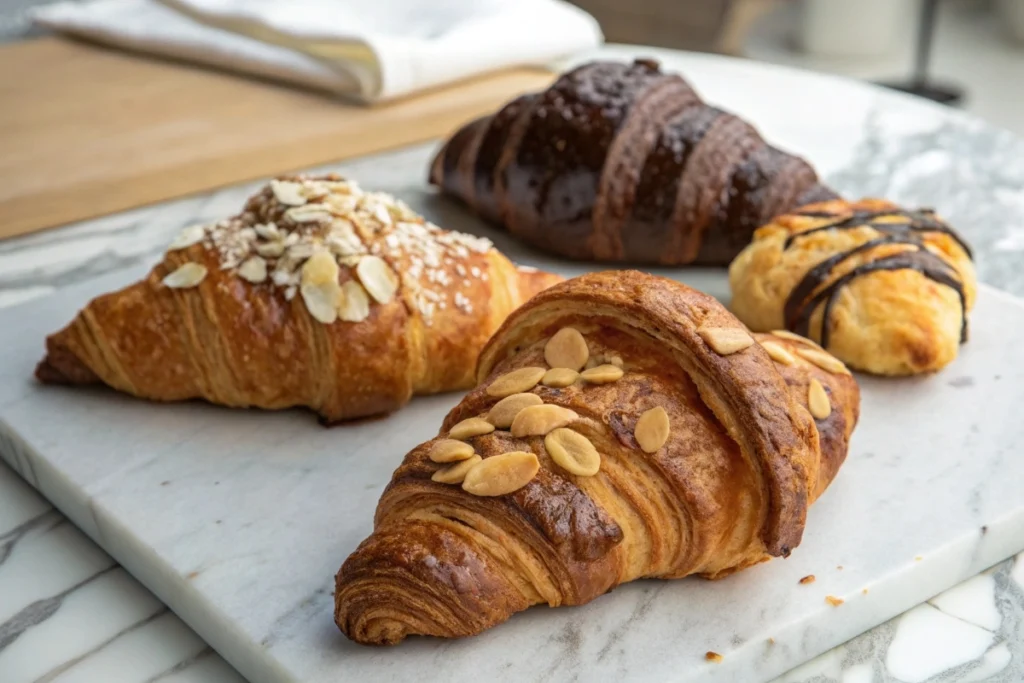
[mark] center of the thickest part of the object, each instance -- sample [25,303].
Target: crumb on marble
[865,591]
[165,483]
[807,579]
[918,558]
[191,575]
[713,656]
[771,641]
[984,530]
[839,567]
[833,600]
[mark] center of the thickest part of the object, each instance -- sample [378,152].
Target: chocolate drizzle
[809,292]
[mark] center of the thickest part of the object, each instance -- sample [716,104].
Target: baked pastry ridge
[622,162]
[318,294]
[682,445]
[885,289]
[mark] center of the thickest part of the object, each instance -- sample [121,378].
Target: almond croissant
[684,446]
[318,294]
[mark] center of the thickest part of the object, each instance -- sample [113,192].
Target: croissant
[685,446]
[621,162]
[884,289]
[318,294]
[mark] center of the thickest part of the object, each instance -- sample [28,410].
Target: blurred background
[977,46]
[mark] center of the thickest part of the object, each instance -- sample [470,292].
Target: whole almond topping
[378,278]
[454,474]
[567,349]
[354,304]
[539,420]
[185,276]
[468,428]
[502,474]
[573,452]
[450,450]
[602,374]
[824,360]
[652,429]
[504,411]
[778,353]
[559,377]
[515,382]
[817,400]
[253,269]
[193,234]
[725,341]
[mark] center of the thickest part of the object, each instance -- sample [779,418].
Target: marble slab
[242,539]
[238,520]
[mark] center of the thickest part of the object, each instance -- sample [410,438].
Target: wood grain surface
[86,131]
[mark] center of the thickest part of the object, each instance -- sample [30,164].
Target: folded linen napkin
[370,50]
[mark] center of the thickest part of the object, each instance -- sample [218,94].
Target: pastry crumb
[807,579]
[771,641]
[712,656]
[833,600]
[918,558]
[839,567]
[865,591]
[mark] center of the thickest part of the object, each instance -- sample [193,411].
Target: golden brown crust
[889,322]
[728,489]
[240,344]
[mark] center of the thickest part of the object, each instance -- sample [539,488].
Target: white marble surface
[66,614]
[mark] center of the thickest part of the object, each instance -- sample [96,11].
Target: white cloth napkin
[367,49]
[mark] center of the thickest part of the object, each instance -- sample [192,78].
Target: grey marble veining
[919,154]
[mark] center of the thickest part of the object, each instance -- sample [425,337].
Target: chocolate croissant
[884,289]
[621,162]
[624,426]
[318,294]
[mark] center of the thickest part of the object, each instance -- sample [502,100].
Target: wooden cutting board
[86,131]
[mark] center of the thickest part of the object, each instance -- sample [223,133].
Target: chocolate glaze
[809,292]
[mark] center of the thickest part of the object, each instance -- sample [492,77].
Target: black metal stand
[919,84]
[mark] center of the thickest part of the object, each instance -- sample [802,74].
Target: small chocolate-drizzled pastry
[622,162]
[884,289]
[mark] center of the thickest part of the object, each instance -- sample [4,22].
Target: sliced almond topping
[602,374]
[573,452]
[187,275]
[567,349]
[270,249]
[778,353]
[320,268]
[824,360]
[501,474]
[652,429]
[504,411]
[725,340]
[559,377]
[193,234]
[322,300]
[515,382]
[454,474]
[539,420]
[268,231]
[354,304]
[288,192]
[615,360]
[468,428]
[818,401]
[450,450]
[378,278]
[793,336]
[310,213]
[254,269]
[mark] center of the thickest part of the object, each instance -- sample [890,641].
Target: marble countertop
[69,613]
